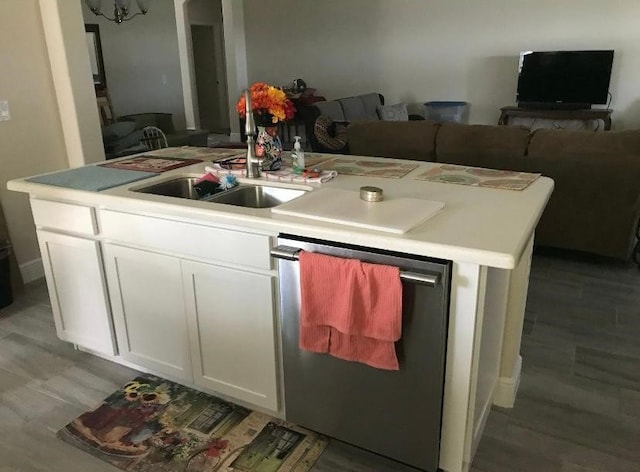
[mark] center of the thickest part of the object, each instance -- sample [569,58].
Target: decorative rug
[388,169]
[152,424]
[478,177]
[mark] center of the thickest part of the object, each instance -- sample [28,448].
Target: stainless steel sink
[257,196]
[180,187]
[245,195]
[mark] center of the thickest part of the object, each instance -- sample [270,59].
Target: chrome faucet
[253,163]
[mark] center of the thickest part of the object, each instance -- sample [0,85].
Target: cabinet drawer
[64,216]
[187,239]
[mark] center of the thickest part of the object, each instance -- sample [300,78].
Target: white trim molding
[507,387]
[32,270]
[63,26]
[235,57]
[185,54]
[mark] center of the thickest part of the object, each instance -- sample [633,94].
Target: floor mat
[152,424]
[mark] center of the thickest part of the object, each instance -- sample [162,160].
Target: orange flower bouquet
[270,104]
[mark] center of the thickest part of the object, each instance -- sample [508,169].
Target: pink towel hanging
[350,309]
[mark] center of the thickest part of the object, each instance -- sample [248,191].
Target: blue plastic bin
[445,111]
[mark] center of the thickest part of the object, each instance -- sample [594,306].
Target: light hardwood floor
[578,407]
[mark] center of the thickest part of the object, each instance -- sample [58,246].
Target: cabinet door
[75,279]
[232,326]
[148,310]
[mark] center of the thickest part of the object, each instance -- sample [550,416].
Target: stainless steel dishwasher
[393,413]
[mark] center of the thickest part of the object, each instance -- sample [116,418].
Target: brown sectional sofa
[595,205]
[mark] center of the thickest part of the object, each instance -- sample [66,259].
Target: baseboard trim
[234,137]
[507,387]
[32,270]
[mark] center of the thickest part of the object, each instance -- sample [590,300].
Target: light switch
[4,111]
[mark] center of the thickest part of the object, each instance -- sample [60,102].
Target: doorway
[210,77]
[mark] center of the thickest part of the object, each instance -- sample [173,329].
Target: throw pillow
[397,112]
[331,135]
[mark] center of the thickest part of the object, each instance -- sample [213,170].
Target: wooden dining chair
[105,108]
[153,138]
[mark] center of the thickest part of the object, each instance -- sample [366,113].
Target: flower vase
[269,147]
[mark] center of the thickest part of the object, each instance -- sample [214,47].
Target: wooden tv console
[583,115]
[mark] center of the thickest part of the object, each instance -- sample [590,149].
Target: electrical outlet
[4,111]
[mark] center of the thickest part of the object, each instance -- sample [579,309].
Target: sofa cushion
[595,204]
[481,145]
[371,101]
[413,140]
[118,130]
[353,109]
[331,109]
[131,139]
[397,112]
[547,142]
[164,121]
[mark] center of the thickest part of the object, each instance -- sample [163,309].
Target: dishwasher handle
[290,253]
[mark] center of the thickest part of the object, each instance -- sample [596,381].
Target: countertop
[479,225]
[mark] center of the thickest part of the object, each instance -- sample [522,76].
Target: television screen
[564,77]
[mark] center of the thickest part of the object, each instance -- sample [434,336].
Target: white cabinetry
[232,325]
[190,301]
[148,310]
[195,303]
[75,280]
[75,277]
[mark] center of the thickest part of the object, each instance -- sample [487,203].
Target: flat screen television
[564,79]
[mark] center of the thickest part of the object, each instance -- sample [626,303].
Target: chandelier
[120,9]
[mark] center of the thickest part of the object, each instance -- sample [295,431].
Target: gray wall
[141,61]
[205,12]
[32,141]
[420,50]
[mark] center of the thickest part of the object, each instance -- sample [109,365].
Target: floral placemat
[192,152]
[478,177]
[151,163]
[310,159]
[388,169]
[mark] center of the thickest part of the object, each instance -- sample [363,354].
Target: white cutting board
[394,215]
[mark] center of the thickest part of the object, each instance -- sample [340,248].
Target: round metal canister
[371,194]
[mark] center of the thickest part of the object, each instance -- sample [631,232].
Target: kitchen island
[117,259]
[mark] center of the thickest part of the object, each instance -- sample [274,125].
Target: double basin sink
[244,195]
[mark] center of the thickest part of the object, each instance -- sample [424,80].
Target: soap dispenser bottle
[297,156]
